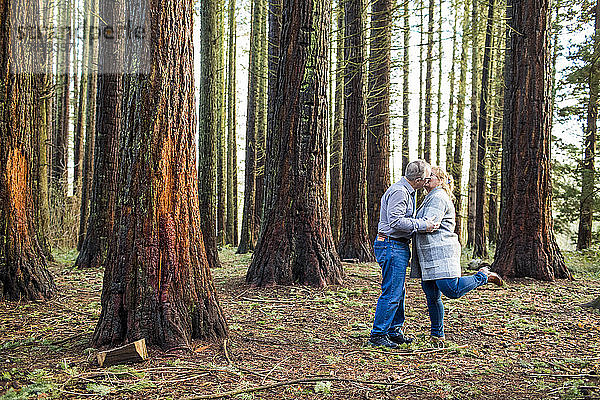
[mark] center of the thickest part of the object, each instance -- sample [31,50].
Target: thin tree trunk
[221,205]
[210,125]
[428,78]
[337,137]
[472,198]
[261,116]
[354,241]
[405,86]
[457,164]
[157,283]
[438,148]
[296,245]
[378,136]
[248,233]
[527,246]
[584,234]
[23,272]
[106,96]
[480,246]
[232,208]
[420,149]
[452,77]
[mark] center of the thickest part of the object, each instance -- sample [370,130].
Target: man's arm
[398,203]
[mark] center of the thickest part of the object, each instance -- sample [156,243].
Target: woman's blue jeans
[392,257]
[452,288]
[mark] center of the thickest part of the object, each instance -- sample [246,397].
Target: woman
[436,255]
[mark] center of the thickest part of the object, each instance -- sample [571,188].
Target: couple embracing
[436,253]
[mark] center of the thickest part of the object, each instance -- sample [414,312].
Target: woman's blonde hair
[446,181]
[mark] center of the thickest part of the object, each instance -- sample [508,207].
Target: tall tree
[221,205]
[23,272]
[405,84]
[421,29]
[472,193]
[296,245]
[378,110]
[261,113]
[337,136]
[354,241]
[210,123]
[584,234]
[480,245]
[457,162]
[249,228]
[527,246]
[428,78]
[452,77]
[108,117]
[232,208]
[157,282]
[438,114]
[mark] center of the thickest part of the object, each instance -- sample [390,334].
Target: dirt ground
[524,341]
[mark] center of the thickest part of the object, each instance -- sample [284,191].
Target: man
[396,226]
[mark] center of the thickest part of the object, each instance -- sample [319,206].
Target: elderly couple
[436,258]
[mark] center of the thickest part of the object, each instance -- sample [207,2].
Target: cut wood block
[132,352]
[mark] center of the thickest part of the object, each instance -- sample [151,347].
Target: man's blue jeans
[393,259]
[452,288]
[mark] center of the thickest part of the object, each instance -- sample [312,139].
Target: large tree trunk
[480,246]
[157,283]
[221,205]
[378,135]
[249,228]
[261,115]
[232,209]
[527,246]
[108,118]
[296,245]
[584,234]
[23,272]
[457,162]
[210,125]
[405,86]
[354,242]
[337,136]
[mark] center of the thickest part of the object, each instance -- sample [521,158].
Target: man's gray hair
[416,169]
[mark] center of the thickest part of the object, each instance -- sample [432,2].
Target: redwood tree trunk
[354,242]
[157,283]
[527,246]
[378,137]
[296,245]
[23,272]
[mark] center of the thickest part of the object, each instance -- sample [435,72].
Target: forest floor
[527,340]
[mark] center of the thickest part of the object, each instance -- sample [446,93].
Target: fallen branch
[567,376]
[293,382]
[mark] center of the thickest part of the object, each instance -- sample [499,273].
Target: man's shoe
[401,339]
[381,341]
[492,276]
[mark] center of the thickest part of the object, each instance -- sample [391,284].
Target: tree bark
[261,120]
[472,193]
[296,245]
[405,86]
[584,234]
[232,208]
[210,125]
[378,106]
[480,246]
[249,228]
[527,246]
[452,77]
[428,78]
[354,242]
[457,163]
[438,114]
[157,282]
[106,96]
[23,272]
[337,137]
[221,205]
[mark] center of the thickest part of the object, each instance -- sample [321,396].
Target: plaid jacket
[436,255]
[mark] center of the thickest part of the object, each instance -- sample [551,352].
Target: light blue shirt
[396,215]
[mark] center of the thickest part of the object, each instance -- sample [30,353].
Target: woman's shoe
[492,276]
[437,341]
